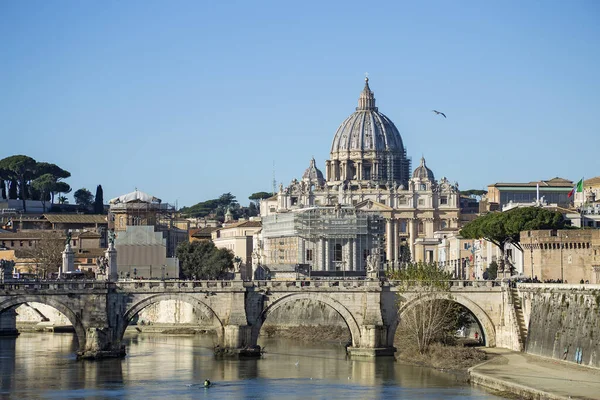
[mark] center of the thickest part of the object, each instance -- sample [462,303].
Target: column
[412,236]
[355,258]
[396,252]
[326,263]
[351,254]
[68,259]
[328,175]
[111,258]
[322,254]
[389,253]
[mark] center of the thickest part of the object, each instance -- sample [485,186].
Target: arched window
[443,224]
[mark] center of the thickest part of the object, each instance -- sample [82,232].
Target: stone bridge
[372,309]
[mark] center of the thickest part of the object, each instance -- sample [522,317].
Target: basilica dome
[367,129]
[313,174]
[367,147]
[422,172]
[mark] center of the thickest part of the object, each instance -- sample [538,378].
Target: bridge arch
[156,298]
[318,297]
[52,302]
[489,331]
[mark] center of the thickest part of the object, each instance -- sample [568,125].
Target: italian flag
[577,188]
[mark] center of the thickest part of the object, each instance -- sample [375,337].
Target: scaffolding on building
[324,238]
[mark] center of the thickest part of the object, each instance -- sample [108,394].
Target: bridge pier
[8,323]
[237,342]
[100,342]
[373,343]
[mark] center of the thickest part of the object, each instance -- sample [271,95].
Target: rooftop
[554,182]
[76,218]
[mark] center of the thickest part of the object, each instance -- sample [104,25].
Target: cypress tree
[99,201]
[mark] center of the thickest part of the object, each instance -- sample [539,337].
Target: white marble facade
[368,169]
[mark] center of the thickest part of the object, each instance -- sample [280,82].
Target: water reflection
[161,366]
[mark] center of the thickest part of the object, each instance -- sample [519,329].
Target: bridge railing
[453,283]
[175,284]
[54,285]
[329,283]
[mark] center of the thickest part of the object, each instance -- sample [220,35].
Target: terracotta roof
[76,218]
[592,181]
[244,224]
[36,233]
[204,232]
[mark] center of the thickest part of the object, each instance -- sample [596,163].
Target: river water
[43,366]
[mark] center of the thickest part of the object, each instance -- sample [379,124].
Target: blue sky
[187,100]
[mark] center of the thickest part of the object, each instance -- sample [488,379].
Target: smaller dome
[422,172]
[313,174]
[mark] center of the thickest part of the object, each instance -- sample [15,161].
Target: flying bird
[439,112]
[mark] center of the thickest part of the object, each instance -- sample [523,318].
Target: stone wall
[33,312]
[173,312]
[564,322]
[305,312]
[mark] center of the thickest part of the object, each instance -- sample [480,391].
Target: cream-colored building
[587,204]
[368,169]
[238,237]
[569,254]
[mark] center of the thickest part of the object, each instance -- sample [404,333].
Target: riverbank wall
[564,322]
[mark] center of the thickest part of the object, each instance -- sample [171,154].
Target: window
[443,200]
[309,255]
[21,243]
[423,186]
[421,202]
[74,242]
[294,201]
[89,260]
[444,224]
[30,243]
[403,226]
[12,243]
[420,228]
[337,256]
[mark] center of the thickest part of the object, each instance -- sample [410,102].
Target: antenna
[274,181]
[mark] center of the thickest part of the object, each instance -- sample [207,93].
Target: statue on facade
[68,239]
[111,237]
[102,264]
[237,261]
[372,262]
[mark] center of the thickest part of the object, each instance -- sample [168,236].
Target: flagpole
[582,202]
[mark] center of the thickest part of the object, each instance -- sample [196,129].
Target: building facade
[368,170]
[553,191]
[237,236]
[569,254]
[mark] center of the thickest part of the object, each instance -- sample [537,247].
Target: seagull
[439,112]
[297,361]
